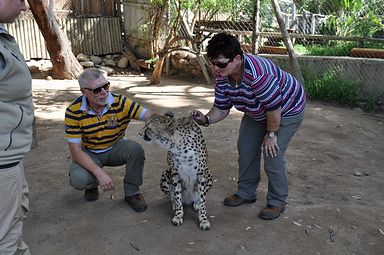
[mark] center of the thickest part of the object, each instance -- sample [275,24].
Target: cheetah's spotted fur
[187,179]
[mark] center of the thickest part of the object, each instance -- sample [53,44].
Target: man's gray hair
[89,74]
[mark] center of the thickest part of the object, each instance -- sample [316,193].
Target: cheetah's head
[165,130]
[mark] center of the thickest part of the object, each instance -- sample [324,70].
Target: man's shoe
[271,212]
[91,194]
[137,202]
[236,200]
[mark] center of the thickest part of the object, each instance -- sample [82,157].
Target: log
[273,50]
[367,53]
[265,49]
[132,59]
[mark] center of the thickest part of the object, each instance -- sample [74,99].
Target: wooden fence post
[256,27]
[287,41]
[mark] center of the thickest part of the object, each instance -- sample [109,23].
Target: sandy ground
[331,210]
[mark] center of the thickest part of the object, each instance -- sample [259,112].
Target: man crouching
[95,125]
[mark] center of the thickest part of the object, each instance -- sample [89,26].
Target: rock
[82,57]
[358,109]
[357,173]
[87,64]
[110,62]
[96,60]
[107,69]
[191,56]
[45,65]
[123,62]
[180,54]
[33,66]
[180,62]
[142,63]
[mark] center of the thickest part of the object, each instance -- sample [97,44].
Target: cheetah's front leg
[177,204]
[165,183]
[202,189]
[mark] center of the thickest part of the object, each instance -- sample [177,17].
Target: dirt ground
[332,210]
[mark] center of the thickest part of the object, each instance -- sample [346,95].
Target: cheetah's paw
[205,225]
[177,221]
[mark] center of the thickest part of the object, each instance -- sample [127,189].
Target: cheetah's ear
[171,126]
[186,120]
[169,114]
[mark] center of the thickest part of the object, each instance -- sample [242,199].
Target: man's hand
[104,180]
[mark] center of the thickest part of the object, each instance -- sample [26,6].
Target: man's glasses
[98,89]
[221,64]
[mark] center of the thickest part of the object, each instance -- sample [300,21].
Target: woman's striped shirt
[99,133]
[264,87]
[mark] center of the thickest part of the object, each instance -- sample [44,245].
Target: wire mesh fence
[337,42]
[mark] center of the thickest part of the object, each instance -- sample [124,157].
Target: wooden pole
[287,41]
[256,27]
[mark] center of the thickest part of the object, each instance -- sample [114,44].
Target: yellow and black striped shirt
[99,133]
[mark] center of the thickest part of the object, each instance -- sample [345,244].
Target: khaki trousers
[14,204]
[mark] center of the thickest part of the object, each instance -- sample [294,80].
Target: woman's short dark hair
[223,44]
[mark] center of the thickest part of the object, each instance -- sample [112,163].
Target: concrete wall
[367,71]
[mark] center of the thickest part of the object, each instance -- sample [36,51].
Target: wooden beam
[278,35]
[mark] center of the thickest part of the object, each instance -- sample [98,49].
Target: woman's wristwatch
[271,134]
[208,122]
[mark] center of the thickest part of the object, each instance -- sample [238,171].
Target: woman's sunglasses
[221,64]
[98,89]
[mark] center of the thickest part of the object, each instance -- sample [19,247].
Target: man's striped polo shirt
[98,133]
[264,87]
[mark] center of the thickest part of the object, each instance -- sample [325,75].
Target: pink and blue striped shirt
[264,87]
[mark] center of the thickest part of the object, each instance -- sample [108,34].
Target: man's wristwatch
[206,124]
[271,134]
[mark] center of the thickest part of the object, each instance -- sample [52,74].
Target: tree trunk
[287,41]
[156,75]
[65,64]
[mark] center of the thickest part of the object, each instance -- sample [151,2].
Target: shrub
[328,87]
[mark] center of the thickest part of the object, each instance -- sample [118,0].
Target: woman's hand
[270,146]
[199,117]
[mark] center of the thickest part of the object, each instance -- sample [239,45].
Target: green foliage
[328,87]
[300,49]
[333,49]
[354,18]
[337,49]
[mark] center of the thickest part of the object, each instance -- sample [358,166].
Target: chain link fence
[338,43]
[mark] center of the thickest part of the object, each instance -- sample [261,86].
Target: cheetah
[187,179]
